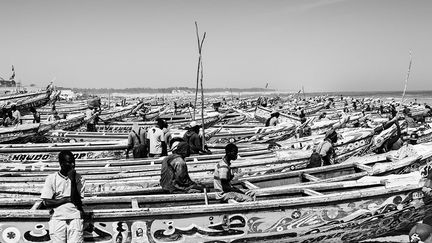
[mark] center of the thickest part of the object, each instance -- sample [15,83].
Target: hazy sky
[327,45]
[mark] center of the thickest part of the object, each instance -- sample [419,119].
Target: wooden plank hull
[27,153]
[350,216]
[263,134]
[261,172]
[126,127]
[26,101]
[262,114]
[18,133]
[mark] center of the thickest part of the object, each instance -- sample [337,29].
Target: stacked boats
[361,196]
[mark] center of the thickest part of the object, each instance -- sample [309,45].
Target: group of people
[149,143]
[63,191]
[11,117]
[157,140]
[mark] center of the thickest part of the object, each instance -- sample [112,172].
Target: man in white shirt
[16,114]
[91,119]
[156,137]
[63,192]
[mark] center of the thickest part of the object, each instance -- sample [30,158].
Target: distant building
[67,94]
[178,91]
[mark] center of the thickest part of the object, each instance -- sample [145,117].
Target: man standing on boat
[194,140]
[91,119]
[174,173]
[324,154]
[63,192]
[36,115]
[16,114]
[137,142]
[156,139]
[223,176]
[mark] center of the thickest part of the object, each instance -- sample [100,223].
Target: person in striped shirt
[223,176]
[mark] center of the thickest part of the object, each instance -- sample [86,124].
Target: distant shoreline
[191,91]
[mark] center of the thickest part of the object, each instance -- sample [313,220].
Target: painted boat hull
[351,216]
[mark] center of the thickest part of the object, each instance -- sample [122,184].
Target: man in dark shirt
[193,139]
[174,173]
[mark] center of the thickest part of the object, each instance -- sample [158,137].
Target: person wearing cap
[324,153]
[174,172]
[156,139]
[16,114]
[193,139]
[223,175]
[137,142]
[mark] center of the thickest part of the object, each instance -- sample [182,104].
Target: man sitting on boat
[63,192]
[174,173]
[324,154]
[223,176]
[9,120]
[137,142]
[273,120]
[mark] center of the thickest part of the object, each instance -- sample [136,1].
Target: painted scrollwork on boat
[207,228]
[426,173]
[350,221]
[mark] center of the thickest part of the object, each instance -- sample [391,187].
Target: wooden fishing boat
[126,127]
[309,110]
[133,179]
[153,114]
[263,113]
[26,102]
[79,108]
[67,136]
[72,122]
[262,134]
[201,167]
[15,97]
[119,113]
[348,211]
[317,127]
[266,176]
[49,152]
[18,132]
